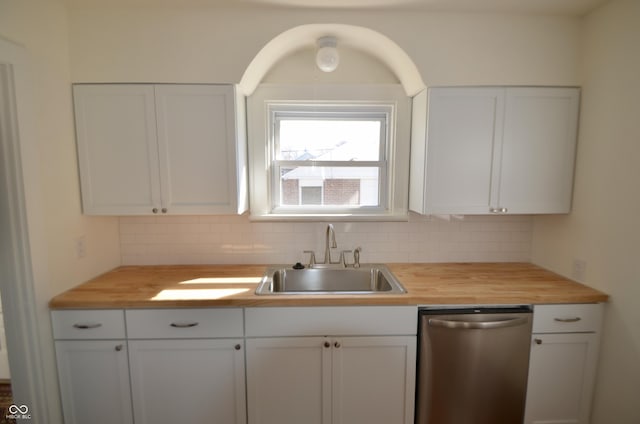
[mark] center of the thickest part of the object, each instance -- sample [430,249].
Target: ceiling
[552,7]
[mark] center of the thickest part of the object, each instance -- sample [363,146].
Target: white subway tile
[235,239]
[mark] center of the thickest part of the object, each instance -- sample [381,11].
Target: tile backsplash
[230,239]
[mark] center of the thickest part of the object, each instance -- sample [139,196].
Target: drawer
[184,323]
[571,318]
[332,321]
[88,324]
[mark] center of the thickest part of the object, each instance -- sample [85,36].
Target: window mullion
[337,164]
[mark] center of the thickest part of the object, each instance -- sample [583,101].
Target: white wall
[603,227]
[216,45]
[355,67]
[41,27]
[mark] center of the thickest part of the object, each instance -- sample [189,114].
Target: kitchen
[90,43]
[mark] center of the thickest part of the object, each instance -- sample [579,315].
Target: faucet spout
[330,242]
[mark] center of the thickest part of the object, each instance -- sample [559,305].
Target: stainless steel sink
[368,279]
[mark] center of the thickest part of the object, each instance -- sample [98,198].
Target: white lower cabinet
[364,373]
[327,380]
[562,365]
[93,369]
[187,365]
[94,381]
[288,380]
[188,381]
[373,379]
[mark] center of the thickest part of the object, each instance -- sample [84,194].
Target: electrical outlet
[579,271]
[81,247]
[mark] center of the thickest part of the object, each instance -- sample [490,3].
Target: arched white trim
[365,39]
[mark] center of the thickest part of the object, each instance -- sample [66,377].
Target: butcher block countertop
[234,285]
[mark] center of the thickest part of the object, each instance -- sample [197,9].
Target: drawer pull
[183,324]
[538,341]
[576,319]
[87,326]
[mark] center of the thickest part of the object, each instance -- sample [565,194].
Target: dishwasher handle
[477,325]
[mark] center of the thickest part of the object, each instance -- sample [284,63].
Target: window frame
[279,111]
[340,96]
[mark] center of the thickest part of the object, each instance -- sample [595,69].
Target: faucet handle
[343,259]
[312,257]
[356,257]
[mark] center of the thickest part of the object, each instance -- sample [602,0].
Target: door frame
[24,261]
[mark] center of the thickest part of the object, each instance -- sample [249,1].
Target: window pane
[330,186]
[311,195]
[330,140]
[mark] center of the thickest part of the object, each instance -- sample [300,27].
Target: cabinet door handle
[154,210]
[237,347]
[327,344]
[183,324]
[576,319]
[87,326]
[498,210]
[538,341]
[119,348]
[164,210]
[337,345]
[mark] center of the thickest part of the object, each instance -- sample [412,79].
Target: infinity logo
[22,409]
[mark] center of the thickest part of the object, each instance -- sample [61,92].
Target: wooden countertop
[234,285]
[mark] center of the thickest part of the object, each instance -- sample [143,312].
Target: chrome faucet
[356,257]
[330,239]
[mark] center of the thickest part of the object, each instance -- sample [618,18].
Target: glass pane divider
[324,163]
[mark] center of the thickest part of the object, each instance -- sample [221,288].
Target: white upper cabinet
[486,150]
[160,149]
[538,150]
[117,148]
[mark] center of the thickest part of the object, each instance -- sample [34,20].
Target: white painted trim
[397,154]
[367,40]
[23,258]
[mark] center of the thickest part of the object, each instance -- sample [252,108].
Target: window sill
[339,217]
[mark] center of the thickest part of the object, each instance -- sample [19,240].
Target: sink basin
[368,279]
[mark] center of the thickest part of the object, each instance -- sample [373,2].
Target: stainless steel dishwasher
[472,365]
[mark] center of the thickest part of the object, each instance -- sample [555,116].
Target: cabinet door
[117,148]
[196,140]
[94,381]
[289,380]
[561,378]
[461,160]
[374,380]
[188,381]
[538,150]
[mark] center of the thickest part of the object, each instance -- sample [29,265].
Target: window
[328,157]
[344,153]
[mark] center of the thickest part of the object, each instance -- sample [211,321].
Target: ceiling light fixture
[327,57]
